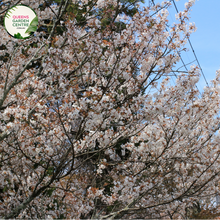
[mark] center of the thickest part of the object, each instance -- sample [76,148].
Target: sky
[206,40]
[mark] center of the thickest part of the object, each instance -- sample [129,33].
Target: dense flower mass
[90,125]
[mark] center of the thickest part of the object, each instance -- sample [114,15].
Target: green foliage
[50,170]
[74,11]
[49,192]
[5,189]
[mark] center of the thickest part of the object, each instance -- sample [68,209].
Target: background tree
[82,134]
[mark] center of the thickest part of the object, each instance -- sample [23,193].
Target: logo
[20,21]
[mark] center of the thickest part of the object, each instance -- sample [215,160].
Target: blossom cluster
[81,133]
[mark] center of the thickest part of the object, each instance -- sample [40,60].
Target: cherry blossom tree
[90,125]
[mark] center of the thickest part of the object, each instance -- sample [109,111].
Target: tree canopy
[90,125]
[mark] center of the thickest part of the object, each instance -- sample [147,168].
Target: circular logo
[20,21]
